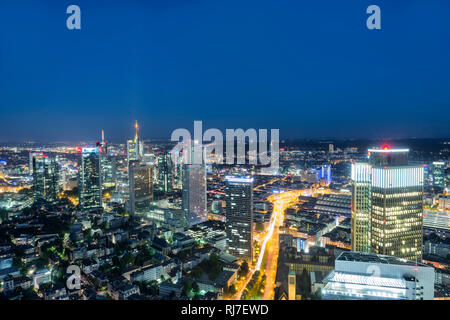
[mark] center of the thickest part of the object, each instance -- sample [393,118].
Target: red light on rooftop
[386,147]
[79,149]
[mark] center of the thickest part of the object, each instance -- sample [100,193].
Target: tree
[243,270]
[126,260]
[144,256]
[195,287]
[196,273]
[304,282]
[3,215]
[259,227]
[187,287]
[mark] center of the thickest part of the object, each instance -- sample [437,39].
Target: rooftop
[375,258]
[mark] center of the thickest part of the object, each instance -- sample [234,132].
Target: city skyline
[192,151]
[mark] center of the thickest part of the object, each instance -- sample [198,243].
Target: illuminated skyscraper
[31,156]
[396,204]
[165,168]
[108,164]
[135,148]
[439,174]
[90,179]
[45,177]
[325,174]
[194,193]
[360,206]
[239,215]
[141,188]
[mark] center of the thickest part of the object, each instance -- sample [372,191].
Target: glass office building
[361,176]
[165,168]
[194,193]
[393,190]
[141,188]
[45,177]
[90,179]
[438,174]
[239,216]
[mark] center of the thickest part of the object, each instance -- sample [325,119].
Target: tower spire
[136,137]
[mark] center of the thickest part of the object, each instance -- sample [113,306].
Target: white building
[368,276]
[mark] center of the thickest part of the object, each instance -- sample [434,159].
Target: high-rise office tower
[135,147]
[90,179]
[325,174]
[45,177]
[330,148]
[31,155]
[396,204]
[141,188]
[194,193]
[361,178]
[108,164]
[239,216]
[438,174]
[165,168]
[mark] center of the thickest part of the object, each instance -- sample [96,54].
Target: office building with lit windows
[141,188]
[438,174]
[239,216]
[165,168]
[368,276]
[45,177]
[361,178]
[194,193]
[31,155]
[90,179]
[396,204]
[108,164]
[135,147]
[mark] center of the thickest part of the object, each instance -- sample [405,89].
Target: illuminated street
[270,243]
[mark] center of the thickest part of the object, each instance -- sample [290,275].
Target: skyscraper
[239,215]
[165,168]
[141,188]
[90,179]
[396,204]
[135,147]
[45,177]
[31,155]
[438,174]
[361,178]
[194,193]
[108,164]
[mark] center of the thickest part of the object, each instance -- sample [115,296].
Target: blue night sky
[310,68]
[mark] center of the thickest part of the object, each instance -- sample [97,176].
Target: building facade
[396,204]
[141,188]
[45,177]
[239,216]
[90,179]
[368,276]
[361,178]
[194,194]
